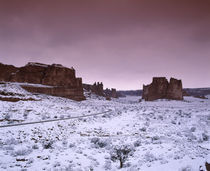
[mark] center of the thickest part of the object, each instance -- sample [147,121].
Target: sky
[122,43]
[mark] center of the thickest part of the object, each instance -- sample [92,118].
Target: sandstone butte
[58,80]
[160,88]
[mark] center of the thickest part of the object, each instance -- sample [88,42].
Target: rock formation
[160,88]
[59,80]
[174,90]
[6,72]
[156,90]
[111,93]
[185,93]
[114,93]
[97,88]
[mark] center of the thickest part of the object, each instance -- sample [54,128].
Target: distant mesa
[160,88]
[59,80]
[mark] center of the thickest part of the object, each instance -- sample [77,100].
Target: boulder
[160,88]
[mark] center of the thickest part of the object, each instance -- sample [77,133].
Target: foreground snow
[160,135]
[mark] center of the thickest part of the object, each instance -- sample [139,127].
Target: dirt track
[54,120]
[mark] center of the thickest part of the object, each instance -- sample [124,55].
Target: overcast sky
[123,43]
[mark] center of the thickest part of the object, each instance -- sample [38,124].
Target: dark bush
[121,153]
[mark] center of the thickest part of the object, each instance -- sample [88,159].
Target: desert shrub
[23,169]
[7,116]
[155,138]
[137,143]
[160,117]
[108,165]
[22,151]
[30,160]
[25,115]
[47,144]
[173,122]
[143,129]
[44,117]
[69,167]
[149,157]
[71,145]
[193,129]
[9,147]
[56,164]
[11,141]
[99,142]
[35,146]
[121,153]
[187,168]
[65,143]
[62,117]
[191,136]
[205,137]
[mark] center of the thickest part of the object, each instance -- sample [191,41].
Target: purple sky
[123,43]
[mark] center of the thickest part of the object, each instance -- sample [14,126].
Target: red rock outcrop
[174,90]
[114,93]
[70,93]
[97,88]
[111,93]
[6,72]
[60,81]
[160,88]
[30,73]
[184,92]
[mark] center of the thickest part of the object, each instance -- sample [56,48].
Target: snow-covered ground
[161,135]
